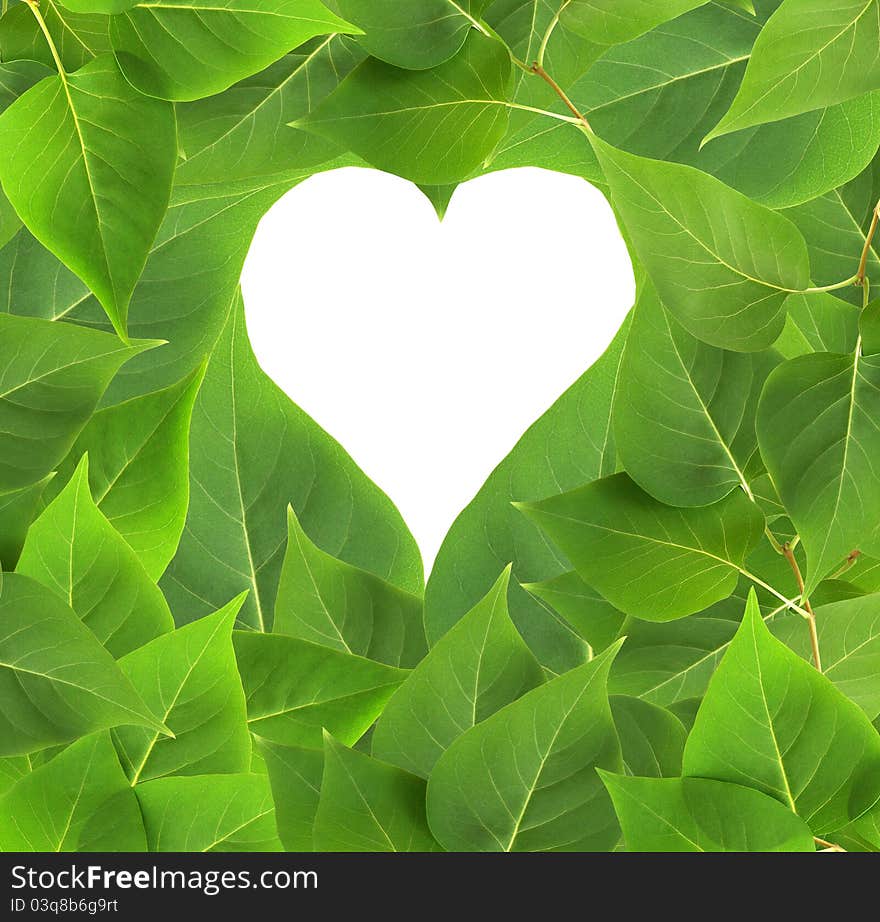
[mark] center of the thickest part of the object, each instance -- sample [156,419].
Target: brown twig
[828,846]
[539,70]
[851,560]
[805,602]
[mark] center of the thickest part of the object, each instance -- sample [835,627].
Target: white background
[427,349]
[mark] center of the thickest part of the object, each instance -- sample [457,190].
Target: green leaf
[525,778]
[12,770]
[89,171]
[189,677]
[78,37]
[478,667]
[835,227]
[869,328]
[416,35]
[16,78]
[818,323]
[110,7]
[819,438]
[772,722]
[329,602]
[684,418]
[590,616]
[572,442]
[610,22]
[651,738]
[273,455]
[295,775]
[74,551]
[18,509]
[51,377]
[433,127]
[723,271]
[57,682]
[187,50]
[849,638]
[295,688]
[689,69]
[34,283]
[647,559]
[139,468]
[213,233]
[810,54]
[368,806]
[80,801]
[242,134]
[209,813]
[700,815]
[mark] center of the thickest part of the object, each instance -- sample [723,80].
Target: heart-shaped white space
[428,348]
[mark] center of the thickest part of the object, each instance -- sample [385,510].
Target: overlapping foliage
[656,627]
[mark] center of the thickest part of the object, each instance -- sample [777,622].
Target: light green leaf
[272,455]
[849,638]
[18,509]
[684,418]
[525,778]
[416,35]
[80,801]
[16,78]
[700,815]
[819,439]
[590,616]
[189,677]
[651,738]
[295,688]
[51,377]
[57,682]
[74,551]
[433,127]
[209,813]
[723,271]
[650,560]
[88,168]
[772,722]
[810,54]
[187,50]
[295,775]
[12,770]
[610,22]
[329,602]
[139,468]
[368,806]
[571,443]
[110,7]
[78,37]
[478,667]
[242,134]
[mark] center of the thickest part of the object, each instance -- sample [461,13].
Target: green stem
[847,565]
[474,22]
[854,280]
[542,51]
[35,9]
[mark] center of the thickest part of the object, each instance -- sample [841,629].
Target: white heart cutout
[428,348]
